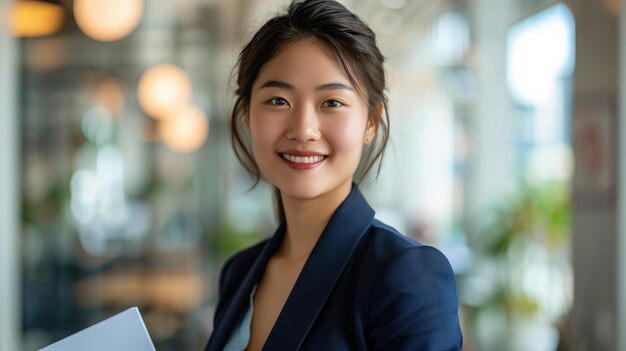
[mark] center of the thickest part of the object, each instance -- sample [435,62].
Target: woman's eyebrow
[324,87]
[277,84]
[333,86]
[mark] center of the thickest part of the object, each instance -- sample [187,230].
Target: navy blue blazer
[364,287]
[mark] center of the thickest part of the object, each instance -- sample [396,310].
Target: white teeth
[305,159]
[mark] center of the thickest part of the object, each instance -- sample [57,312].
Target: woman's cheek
[261,131]
[346,136]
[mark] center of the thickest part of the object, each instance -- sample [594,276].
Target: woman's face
[307,122]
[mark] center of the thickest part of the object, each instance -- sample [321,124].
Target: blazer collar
[321,272]
[316,280]
[241,300]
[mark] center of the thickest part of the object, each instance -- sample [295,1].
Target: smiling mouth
[303,159]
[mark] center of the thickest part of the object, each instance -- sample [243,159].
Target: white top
[240,337]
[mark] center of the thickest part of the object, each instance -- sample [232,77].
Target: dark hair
[348,39]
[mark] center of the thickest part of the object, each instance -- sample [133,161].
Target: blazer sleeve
[414,303]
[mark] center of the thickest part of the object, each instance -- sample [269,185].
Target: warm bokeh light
[46,54]
[613,5]
[107,20]
[110,94]
[186,130]
[36,18]
[162,88]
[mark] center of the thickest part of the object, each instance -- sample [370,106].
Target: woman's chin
[311,189]
[299,192]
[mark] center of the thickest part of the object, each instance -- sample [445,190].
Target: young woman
[310,117]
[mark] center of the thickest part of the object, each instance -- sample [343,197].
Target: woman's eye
[278,102]
[332,103]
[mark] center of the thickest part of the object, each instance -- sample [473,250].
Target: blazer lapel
[320,273]
[241,299]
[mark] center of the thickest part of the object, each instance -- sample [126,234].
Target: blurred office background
[118,186]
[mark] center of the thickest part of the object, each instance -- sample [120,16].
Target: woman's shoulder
[385,232]
[386,244]
[413,302]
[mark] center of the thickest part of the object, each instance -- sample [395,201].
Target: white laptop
[124,331]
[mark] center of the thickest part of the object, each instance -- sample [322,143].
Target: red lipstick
[302,153]
[302,160]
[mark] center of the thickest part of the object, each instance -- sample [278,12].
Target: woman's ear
[370,131]
[372,124]
[245,118]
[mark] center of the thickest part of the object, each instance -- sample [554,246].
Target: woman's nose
[303,125]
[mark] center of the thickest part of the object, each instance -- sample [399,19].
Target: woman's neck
[306,219]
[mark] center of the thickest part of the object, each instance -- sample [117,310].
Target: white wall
[9,209]
[493,172]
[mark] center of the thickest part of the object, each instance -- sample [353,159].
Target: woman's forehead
[304,64]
